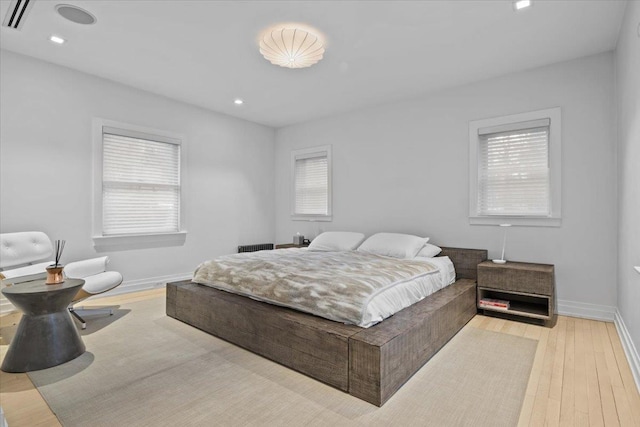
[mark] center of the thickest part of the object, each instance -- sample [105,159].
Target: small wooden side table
[46,335]
[529,288]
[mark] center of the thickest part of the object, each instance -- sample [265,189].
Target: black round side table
[46,335]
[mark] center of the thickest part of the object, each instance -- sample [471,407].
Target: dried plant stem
[59,244]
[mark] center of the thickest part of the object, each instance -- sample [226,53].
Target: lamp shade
[291,47]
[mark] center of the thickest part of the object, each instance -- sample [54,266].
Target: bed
[368,363]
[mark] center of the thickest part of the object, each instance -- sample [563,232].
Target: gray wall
[403,167]
[46,166]
[628,94]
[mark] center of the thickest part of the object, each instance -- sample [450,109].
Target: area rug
[143,368]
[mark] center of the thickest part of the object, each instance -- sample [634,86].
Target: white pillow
[429,251]
[336,241]
[393,245]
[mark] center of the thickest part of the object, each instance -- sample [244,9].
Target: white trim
[584,310]
[629,348]
[306,153]
[145,284]
[127,129]
[565,308]
[129,239]
[555,164]
[125,288]
[311,218]
[508,127]
[6,306]
[132,131]
[516,220]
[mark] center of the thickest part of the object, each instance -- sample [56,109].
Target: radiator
[253,248]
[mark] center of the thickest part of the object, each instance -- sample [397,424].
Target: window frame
[126,240]
[554,219]
[307,153]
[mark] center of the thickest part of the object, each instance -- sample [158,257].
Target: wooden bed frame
[371,364]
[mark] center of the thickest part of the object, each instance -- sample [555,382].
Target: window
[515,169]
[311,184]
[139,182]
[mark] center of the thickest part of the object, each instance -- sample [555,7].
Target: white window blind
[140,185]
[311,184]
[513,170]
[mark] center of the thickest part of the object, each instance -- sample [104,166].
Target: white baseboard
[629,348]
[125,288]
[145,284]
[565,308]
[586,311]
[5,306]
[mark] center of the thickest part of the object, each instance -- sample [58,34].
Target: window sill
[516,220]
[139,241]
[311,218]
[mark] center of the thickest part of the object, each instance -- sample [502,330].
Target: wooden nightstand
[290,245]
[529,288]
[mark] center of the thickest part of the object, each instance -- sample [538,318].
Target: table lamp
[504,244]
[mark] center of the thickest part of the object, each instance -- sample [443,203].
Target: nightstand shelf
[529,288]
[290,245]
[526,305]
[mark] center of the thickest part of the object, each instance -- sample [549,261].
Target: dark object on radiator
[253,248]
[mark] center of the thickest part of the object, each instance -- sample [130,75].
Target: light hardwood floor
[580,375]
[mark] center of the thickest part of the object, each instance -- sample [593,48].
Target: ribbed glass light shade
[291,47]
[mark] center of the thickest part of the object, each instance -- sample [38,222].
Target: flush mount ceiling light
[521,4]
[291,46]
[238,101]
[75,14]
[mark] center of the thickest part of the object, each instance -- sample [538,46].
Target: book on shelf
[495,303]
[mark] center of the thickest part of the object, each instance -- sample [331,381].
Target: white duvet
[349,287]
[407,293]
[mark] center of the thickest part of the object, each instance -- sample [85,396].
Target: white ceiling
[206,52]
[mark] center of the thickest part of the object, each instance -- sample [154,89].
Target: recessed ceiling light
[521,4]
[238,101]
[75,14]
[57,39]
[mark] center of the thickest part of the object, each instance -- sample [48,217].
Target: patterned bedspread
[334,285]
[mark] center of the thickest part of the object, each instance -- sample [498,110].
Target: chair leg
[88,311]
[96,310]
[77,316]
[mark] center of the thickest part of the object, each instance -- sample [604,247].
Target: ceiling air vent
[75,14]
[17,13]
